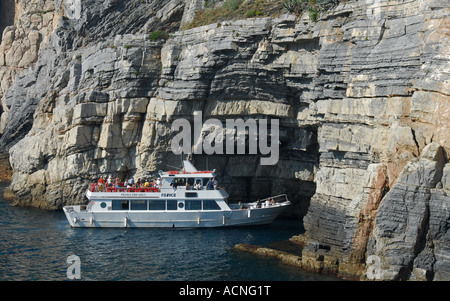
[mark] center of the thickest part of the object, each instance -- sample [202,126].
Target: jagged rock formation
[410,231]
[362,97]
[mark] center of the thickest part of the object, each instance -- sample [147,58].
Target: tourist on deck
[212,184]
[117,182]
[209,185]
[258,203]
[174,185]
[267,202]
[101,184]
[241,206]
[198,185]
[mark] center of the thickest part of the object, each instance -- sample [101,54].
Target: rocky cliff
[362,96]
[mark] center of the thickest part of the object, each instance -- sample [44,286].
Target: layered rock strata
[362,97]
[361,158]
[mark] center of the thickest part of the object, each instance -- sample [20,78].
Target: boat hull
[79,218]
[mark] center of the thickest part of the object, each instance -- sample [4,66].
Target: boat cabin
[156,205]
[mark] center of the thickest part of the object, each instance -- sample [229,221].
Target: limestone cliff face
[25,27]
[362,97]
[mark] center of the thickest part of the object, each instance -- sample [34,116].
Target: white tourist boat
[193,205]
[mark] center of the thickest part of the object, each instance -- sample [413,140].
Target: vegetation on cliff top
[234,10]
[240,9]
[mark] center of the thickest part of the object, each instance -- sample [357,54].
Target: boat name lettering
[131,194]
[168,195]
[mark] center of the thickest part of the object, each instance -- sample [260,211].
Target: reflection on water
[35,244]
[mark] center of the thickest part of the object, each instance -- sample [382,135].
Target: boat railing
[276,199]
[271,201]
[182,172]
[264,203]
[132,189]
[96,187]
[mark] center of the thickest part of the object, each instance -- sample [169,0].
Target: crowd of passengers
[145,183]
[131,183]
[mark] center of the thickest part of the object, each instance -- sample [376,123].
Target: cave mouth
[245,180]
[7,12]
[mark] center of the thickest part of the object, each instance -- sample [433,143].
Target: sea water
[35,244]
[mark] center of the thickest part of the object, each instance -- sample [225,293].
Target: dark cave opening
[7,11]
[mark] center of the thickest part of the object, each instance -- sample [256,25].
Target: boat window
[193,205]
[156,205]
[210,205]
[103,205]
[171,205]
[138,205]
[120,205]
[191,194]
